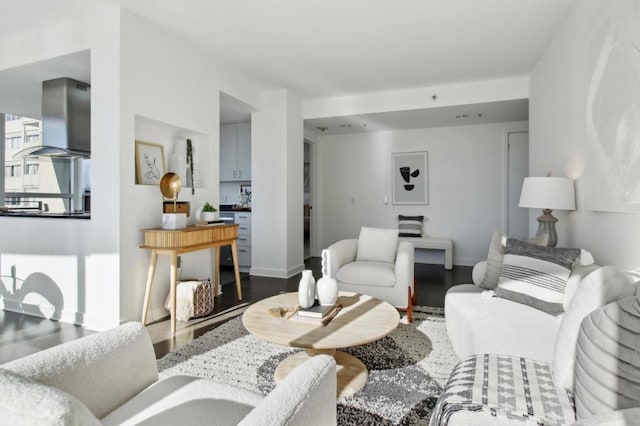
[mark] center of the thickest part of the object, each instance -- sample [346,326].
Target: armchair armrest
[102,370]
[307,396]
[405,257]
[341,253]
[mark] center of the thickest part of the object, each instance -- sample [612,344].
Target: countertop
[83,215]
[232,208]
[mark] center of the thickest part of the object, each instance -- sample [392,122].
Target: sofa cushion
[410,226]
[480,324]
[599,288]
[377,274]
[377,244]
[494,262]
[185,400]
[607,374]
[535,275]
[27,402]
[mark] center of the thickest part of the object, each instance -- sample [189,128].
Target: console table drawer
[188,237]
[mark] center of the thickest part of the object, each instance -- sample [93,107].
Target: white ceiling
[325,48]
[322,48]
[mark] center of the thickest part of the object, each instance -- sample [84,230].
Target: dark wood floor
[21,335]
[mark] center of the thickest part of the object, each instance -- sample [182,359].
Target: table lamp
[170,186]
[547,193]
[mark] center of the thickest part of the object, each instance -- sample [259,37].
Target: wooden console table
[174,242]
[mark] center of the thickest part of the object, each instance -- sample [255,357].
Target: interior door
[518,169]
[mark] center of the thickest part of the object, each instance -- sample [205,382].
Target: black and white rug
[407,369]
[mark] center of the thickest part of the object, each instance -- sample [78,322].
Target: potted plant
[208,212]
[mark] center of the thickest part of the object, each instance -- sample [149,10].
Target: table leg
[216,270]
[351,373]
[147,292]
[172,291]
[236,269]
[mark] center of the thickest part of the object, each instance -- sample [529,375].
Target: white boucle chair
[376,264]
[111,378]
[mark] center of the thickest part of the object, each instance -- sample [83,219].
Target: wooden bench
[434,243]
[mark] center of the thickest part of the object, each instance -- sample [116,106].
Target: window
[14,142]
[38,180]
[31,169]
[33,138]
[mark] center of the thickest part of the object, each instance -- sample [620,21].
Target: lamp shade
[553,193]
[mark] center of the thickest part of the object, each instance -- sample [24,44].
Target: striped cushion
[410,226]
[607,374]
[535,275]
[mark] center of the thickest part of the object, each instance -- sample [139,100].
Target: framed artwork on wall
[410,178]
[149,163]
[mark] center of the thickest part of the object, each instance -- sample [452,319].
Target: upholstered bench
[434,243]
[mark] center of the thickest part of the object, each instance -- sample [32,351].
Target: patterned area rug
[407,369]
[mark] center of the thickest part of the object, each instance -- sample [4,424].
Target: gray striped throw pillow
[535,275]
[410,226]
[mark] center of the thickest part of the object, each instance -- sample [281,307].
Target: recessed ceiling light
[363,124]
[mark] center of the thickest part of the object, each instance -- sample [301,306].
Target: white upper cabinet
[235,152]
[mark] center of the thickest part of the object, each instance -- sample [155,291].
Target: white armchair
[111,378]
[376,264]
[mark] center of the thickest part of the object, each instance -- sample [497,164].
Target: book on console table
[316,311]
[209,222]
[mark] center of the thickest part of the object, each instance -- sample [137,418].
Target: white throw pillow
[377,245]
[27,402]
[495,257]
[603,286]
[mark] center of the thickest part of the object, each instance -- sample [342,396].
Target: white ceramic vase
[327,291]
[209,216]
[327,287]
[307,289]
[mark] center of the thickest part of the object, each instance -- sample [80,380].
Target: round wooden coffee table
[363,319]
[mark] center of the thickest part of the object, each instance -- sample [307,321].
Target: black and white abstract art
[410,180]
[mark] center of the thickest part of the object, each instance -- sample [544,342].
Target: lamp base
[546,235]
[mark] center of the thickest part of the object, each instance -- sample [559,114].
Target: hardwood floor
[21,335]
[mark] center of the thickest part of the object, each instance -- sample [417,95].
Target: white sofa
[111,378]
[496,331]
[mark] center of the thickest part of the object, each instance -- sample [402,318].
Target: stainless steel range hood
[66,119]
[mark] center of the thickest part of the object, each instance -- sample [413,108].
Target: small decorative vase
[209,216]
[327,287]
[307,290]
[327,291]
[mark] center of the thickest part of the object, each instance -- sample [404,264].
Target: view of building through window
[38,182]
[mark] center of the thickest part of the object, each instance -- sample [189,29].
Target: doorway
[308,207]
[517,218]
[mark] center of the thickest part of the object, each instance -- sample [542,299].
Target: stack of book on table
[316,311]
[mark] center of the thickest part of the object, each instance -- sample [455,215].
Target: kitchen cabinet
[243,219]
[235,152]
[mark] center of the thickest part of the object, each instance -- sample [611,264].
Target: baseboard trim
[277,273]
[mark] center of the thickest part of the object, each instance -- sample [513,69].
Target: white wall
[466,185]
[559,137]
[416,98]
[166,80]
[65,265]
[277,198]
